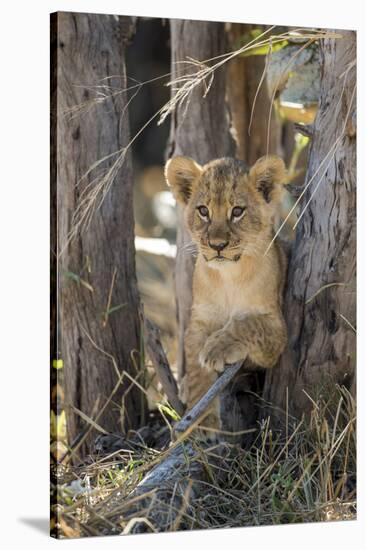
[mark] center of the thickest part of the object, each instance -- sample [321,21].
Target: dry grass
[301,472]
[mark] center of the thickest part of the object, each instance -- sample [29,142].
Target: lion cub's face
[229,209]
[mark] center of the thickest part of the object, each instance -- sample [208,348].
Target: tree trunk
[201,132]
[320,303]
[205,131]
[98,310]
[244,76]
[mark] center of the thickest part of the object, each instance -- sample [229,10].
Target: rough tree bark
[320,318]
[97,269]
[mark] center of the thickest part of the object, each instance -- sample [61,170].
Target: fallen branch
[163,495]
[182,462]
[192,416]
[169,467]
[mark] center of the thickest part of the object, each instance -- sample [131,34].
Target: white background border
[24,285]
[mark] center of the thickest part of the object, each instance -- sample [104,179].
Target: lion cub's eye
[237,212]
[203,212]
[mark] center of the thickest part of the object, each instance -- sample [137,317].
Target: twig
[348,322]
[329,285]
[306,130]
[161,365]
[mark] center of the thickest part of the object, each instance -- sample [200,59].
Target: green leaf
[168,410]
[72,276]
[115,308]
[301,141]
[79,280]
[265,49]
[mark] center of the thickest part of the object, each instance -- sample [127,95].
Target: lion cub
[237,285]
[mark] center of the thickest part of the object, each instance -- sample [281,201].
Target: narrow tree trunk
[320,305]
[201,132]
[250,104]
[98,310]
[205,131]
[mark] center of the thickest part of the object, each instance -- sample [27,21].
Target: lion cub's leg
[261,338]
[198,380]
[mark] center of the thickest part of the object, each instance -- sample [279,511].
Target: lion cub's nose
[218,245]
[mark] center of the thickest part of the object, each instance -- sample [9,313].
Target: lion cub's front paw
[220,350]
[212,356]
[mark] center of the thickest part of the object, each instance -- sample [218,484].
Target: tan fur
[237,288]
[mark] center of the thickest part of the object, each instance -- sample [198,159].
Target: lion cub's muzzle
[222,252]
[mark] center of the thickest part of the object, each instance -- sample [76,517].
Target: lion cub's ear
[268,175]
[181,174]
